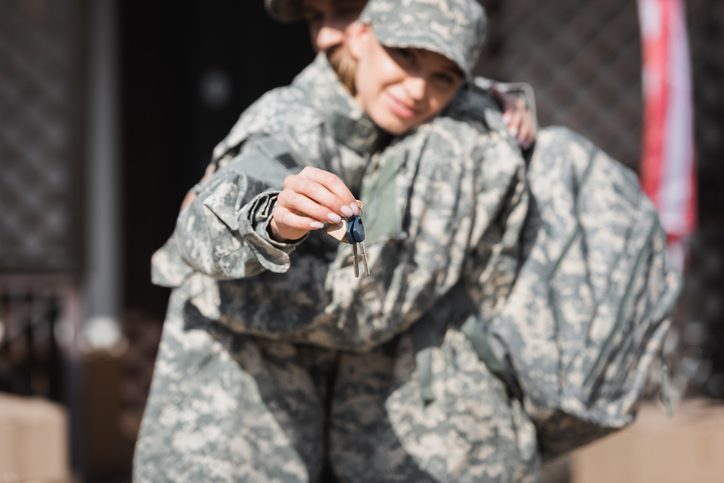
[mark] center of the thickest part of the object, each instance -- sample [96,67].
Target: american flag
[667,165]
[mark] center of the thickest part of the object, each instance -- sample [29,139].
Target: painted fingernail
[334,217]
[346,211]
[315,225]
[355,208]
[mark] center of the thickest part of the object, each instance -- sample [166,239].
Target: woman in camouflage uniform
[254,379]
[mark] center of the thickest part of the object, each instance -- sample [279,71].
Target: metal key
[356,236]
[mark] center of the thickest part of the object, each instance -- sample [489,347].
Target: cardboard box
[689,447]
[33,440]
[107,452]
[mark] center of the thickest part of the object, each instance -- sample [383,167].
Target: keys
[352,231]
[356,236]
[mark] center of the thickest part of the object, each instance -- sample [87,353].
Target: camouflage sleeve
[223,232]
[493,264]
[519,90]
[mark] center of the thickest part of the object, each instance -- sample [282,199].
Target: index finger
[331,182]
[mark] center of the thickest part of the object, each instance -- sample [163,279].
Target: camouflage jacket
[444,205]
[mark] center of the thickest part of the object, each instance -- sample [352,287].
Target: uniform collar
[349,124]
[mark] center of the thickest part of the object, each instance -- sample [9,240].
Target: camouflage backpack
[587,315]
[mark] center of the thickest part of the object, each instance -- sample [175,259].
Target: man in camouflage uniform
[230,406]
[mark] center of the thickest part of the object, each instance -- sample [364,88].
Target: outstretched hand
[308,201]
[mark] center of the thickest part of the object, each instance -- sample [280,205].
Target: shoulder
[474,104]
[285,111]
[471,124]
[459,144]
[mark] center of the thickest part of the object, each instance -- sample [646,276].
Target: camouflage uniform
[228,405]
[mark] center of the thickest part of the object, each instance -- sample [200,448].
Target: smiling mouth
[400,109]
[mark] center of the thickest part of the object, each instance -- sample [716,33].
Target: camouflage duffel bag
[588,313]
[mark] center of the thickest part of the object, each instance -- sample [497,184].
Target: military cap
[452,28]
[284,10]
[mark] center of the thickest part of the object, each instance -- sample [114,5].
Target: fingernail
[346,211]
[355,208]
[514,132]
[316,225]
[334,217]
[506,118]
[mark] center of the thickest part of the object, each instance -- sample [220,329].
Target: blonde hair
[345,65]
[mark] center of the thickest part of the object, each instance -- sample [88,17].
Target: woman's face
[400,88]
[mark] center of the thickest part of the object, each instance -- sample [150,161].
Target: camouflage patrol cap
[286,11]
[452,28]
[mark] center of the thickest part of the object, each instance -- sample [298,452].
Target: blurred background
[109,112]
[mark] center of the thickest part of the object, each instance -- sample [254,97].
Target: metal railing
[38,320]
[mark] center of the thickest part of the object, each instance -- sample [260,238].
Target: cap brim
[423,39]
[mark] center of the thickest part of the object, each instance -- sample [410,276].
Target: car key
[356,236]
